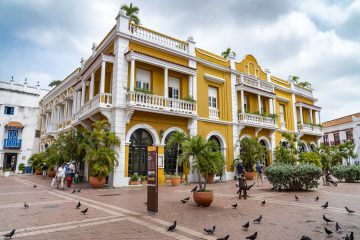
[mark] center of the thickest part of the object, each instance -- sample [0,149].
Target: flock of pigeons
[26,205]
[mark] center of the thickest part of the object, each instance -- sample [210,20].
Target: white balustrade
[153,36]
[303,91]
[213,113]
[257,120]
[150,101]
[309,128]
[254,82]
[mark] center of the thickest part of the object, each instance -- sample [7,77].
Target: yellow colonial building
[148,85]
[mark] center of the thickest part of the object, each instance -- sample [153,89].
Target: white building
[343,129]
[19,122]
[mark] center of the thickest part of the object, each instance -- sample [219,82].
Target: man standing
[44,170]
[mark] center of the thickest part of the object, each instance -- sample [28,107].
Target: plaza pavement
[121,214]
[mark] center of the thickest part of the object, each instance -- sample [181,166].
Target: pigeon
[327,220]
[26,205]
[296,198]
[252,237]
[351,237]
[78,205]
[210,230]
[183,201]
[234,205]
[263,203]
[337,227]
[187,199]
[325,205]
[34,186]
[328,232]
[346,237]
[249,187]
[10,234]
[224,238]
[79,190]
[84,211]
[305,238]
[172,227]
[246,226]
[194,189]
[349,210]
[258,220]
[73,191]
[317,198]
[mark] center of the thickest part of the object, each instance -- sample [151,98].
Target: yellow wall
[208,56]
[250,65]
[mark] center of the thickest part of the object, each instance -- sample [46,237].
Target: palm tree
[54,83]
[132,12]
[204,159]
[226,53]
[177,138]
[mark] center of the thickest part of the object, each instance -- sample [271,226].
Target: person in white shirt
[60,176]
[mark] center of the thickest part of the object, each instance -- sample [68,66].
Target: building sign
[152,188]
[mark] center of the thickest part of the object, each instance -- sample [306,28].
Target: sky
[319,41]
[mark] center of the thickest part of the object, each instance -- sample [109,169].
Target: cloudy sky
[319,41]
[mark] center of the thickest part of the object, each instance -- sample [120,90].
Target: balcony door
[140,140]
[174,87]
[143,79]
[12,138]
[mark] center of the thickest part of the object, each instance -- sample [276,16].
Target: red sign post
[152,187]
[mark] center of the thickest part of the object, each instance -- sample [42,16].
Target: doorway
[7,161]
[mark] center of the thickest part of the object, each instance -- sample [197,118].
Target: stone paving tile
[283,217]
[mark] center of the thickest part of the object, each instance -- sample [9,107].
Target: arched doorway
[266,157]
[217,141]
[302,147]
[220,146]
[139,141]
[312,147]
[171,157]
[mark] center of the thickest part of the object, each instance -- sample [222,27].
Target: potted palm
[100,153]
[177,138]
[204,161]
[134,179]
[37,160]
[250,152]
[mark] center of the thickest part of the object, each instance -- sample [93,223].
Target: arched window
[139,141]
[171,157]
[266,158]
[217,141]
[302,147]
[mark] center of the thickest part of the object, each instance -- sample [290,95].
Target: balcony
[255,120]
[310,129]
[254,82]
[102,100]
[158,38]
[213,113]
[155,103]
[12,143]
[303,91]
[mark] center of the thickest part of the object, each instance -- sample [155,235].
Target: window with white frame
[143,79]
[174,87]
[212,97]
[282,112]
[9,110]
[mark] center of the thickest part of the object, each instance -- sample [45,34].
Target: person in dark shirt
[44,170]
[240,169]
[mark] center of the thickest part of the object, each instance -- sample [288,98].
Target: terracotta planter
[38,172]
[203,199]
[51,173]
[249,175]
[210,179]
[175,180]
[97,182]
[134,182]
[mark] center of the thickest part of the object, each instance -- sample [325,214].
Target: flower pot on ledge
[134,182]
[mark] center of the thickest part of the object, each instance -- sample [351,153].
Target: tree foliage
[251,151]
[227,52]
[131,11]
[310,158]
[54,83]
[177,138]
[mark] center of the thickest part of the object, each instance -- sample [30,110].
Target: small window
[282,112]
[9,110]
[212,97]
[37,133]
[143,78]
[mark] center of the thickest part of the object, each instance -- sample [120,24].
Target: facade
[19,111]
[343,129]
[148,85]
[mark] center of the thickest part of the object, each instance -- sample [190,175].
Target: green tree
[204,159]
[292,141]
[282,155]
[311,158]
[177,138]
[132,12]
[227,52]
[54,83]
[347,151]
[100,152]
[251,151]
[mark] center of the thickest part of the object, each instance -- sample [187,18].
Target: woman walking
[60,176]
[259,170]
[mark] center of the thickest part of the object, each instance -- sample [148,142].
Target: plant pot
[295,187]
[249,175]
[38,172]
[175,180]
[51,173]
[134,182]
[210,179]
[97,182]
[203,199]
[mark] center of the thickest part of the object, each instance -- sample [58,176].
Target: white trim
[267,141]
[212,56]
[282,99]
[312,143]
[244,136]
[305,105]
[168,131]
[254,90]
[219,135]
[306,146]
[201,119]
[152,131]
[213,78]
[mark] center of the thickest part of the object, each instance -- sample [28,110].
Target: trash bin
[28,169]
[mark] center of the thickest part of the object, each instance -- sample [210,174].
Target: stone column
[301,116]
[242,101]
[190,88]
[92,82]
[194,85]
[132,75]
[102,79]
[166,82]
[259,103]
[311,116]
[83,92]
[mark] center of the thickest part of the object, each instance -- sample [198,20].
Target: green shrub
[22,167]
[282,155]
[283,176]
[347,173]
[134,178]
[310,158]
